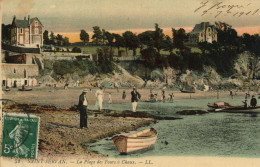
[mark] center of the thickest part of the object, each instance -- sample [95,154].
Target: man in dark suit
[135,96]
[253,101]
[83,107]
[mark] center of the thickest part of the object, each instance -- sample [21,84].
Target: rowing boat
[187,91]
[240,108]
[28,89]
[220,104]
[135,141]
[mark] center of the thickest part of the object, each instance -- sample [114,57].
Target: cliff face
[246,69]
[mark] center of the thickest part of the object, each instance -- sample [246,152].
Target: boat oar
[219,109]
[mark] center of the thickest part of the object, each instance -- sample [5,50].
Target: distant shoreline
[62,98]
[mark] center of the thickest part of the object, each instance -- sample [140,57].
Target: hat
[85,91]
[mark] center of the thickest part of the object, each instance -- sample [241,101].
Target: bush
[48,67]
[76,50]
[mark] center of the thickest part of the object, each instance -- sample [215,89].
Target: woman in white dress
[100,97]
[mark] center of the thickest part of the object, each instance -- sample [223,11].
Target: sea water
[211,134]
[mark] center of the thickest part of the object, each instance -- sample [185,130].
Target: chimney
[14,19]
[29,21]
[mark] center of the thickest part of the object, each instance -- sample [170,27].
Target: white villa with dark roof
[203,32]
[27,32]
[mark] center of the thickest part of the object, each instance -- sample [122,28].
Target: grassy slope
[93,49]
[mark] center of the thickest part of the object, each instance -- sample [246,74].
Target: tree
[104,37]
[146,39]
[59,39]
[158,38]
[110,38]
[46,39]
[168,44]
[131,41]
[227,36]
[105,59]
[66,41]
[52,38]
[150,57]
[84,36]
[178,39]
[6,33]
[119,41]
[97,36]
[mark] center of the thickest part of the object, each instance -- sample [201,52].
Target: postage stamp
[20,135]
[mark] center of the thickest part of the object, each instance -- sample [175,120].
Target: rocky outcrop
[246,68]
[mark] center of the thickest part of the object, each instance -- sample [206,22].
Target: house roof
[31,20]
[199,27]
[22,23]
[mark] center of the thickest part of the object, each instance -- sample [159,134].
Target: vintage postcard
[130,83]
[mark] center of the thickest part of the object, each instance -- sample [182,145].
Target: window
[36,23]
[36,40]
[36,31]
[24,73]
[14,70]
[21,30]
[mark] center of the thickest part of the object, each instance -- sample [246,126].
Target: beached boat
[240,108]
[187,91]
[220,104]
[26,89]
[135,141]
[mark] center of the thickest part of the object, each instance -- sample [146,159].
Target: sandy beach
[66,98]
[60,134]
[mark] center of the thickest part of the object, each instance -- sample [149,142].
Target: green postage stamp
[20,135]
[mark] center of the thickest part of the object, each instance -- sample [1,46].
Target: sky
[68,17]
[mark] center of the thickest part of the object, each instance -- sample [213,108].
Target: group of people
[83,103]
[153,97]
[253,102]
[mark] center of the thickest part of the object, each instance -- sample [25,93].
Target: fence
[20,49]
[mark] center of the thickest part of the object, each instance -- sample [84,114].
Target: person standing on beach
[245,103]
[83,107]
[99,95]
[110,98]
[135,98]
[231,94]
[124,95]
[163,95]
[66,86]
[253,101]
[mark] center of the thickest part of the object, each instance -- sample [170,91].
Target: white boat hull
[135,141]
